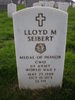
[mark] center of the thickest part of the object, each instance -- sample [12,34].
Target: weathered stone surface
[63,6]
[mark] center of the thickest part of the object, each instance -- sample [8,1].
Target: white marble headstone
[23,2]
[73,5]
[51,3]
[56,5]
[19,1]
[36,4]
[44,3]
[47,3]
[11,9]
[70,4]
[40,41]
[63,6]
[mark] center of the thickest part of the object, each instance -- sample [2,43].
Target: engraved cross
[40,18]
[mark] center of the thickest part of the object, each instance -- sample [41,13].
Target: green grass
[20,7]
[8,71]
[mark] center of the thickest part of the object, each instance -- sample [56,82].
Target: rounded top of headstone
[40,8]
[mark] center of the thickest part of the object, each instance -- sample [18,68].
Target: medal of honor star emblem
[40,48]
